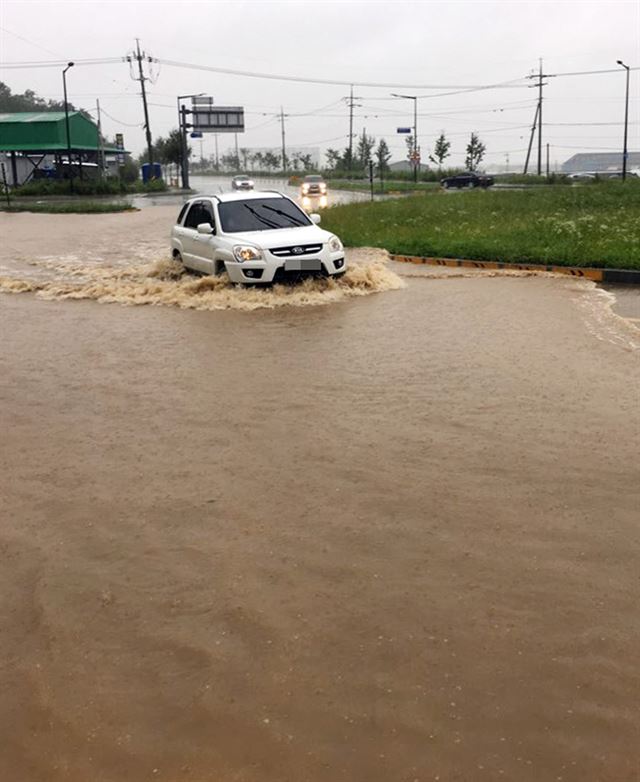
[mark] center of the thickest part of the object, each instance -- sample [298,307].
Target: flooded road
[395,537]
[211,185]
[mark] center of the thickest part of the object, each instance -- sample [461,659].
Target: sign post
[207,118]
[5,186]
[120,155]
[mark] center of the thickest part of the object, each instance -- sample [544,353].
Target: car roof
[244,196]
[241,176]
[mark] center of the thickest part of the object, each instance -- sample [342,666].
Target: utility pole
[538,120]
[284,152]
[351,104]
[66,117]
[351,127]
[547,160]
[237,153]
[533,130]
[625,153]
[215,136]
[139,57]
[100,144]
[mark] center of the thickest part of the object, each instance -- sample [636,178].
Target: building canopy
[46,132]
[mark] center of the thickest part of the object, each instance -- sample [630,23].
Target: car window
[200,212]
[181,215]
[260,214]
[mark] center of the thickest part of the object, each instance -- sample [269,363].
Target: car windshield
[260,214]
[313,178]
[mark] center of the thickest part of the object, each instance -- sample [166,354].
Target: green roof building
[25,136]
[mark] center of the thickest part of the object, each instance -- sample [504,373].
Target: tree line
[366,151]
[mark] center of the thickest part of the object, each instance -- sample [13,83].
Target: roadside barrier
[625,276]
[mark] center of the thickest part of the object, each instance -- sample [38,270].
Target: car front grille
[296,250]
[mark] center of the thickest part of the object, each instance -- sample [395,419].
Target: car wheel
[220,269]
[178,258]
[470,185]
[338,275]
[446,185]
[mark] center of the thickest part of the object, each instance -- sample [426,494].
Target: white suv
[257,237]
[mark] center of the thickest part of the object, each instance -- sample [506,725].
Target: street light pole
[184,164]
[416,161]
[66,121]
[625,153]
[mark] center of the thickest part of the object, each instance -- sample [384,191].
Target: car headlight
[335,245]
[305,188]
[245,252]
[323,188]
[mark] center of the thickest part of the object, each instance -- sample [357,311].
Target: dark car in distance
[467,179]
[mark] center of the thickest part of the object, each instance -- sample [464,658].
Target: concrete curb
[624,276]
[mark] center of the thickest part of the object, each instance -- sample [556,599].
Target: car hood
[282,237]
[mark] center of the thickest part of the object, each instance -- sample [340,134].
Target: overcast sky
[416,44]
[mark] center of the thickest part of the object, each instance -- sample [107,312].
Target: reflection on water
[214,185]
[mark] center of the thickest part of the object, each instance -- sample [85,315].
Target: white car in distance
[256,237]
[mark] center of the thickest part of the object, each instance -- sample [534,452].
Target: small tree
[440,150]
[306,161]
[271,161]
[383,156]
[408,140]
[365,148]
[257,160]
[244,154]
[475,153]
[333,159]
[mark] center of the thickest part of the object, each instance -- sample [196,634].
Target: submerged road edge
[625,276]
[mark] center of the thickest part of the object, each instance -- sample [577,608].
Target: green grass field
[595,225]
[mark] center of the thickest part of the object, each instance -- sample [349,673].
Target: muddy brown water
[392,538]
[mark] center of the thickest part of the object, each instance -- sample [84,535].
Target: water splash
[165,283]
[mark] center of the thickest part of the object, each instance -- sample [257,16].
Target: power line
[61,63]
[310,80]
[30,42]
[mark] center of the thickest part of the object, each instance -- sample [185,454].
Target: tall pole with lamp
[66,121]
[415,156]
[625,153]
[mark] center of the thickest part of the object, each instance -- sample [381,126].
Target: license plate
[303,265]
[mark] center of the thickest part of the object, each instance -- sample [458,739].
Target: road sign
[120,146]
[222,119]
[201,100]
[196,134]
[404,130]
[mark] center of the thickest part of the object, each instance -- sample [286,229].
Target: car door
[183,235]
[204,245]
[188,234]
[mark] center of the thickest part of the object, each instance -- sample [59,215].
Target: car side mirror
[315,218]
[205,228]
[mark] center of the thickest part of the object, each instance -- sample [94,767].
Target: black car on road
[467,179]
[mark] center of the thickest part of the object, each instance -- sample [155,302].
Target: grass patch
[596,226]
[75,207]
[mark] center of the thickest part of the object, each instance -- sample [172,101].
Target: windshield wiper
[284,214]
[264,220]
